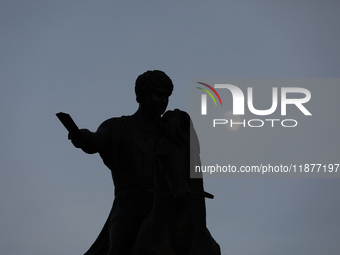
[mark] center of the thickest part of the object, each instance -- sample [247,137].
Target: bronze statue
[130,147]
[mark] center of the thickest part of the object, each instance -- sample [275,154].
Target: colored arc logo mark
[208,92]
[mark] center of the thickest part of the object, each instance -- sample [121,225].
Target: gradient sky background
[82,57]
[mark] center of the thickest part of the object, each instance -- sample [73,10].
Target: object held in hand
[69,124]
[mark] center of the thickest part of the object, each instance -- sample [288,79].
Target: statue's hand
[79,140]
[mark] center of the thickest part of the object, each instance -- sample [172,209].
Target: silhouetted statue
[177,221]
[127,147]
[149,157]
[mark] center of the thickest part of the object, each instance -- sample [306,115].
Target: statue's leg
[127,216]
[123,231]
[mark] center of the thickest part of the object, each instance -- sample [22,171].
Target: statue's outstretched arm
[92,142]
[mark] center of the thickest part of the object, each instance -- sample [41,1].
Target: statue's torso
[130,155]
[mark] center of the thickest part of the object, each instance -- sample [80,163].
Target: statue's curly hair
[150,80]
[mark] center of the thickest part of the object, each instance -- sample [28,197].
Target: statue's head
[152,81]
